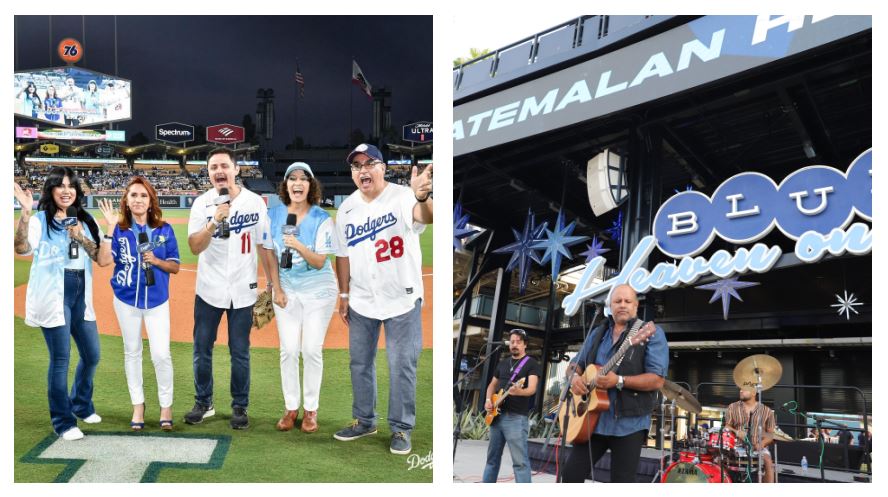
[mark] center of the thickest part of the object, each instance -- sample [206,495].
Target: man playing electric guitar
[511,425]
[631,388]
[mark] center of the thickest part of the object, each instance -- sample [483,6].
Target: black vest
[629,402]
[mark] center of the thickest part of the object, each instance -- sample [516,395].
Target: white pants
[157,322]
[302,326]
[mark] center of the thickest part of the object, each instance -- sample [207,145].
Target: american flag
[300,81]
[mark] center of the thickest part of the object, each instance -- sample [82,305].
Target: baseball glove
[263,312]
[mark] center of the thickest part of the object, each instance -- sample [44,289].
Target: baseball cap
[298,165]
[366,149]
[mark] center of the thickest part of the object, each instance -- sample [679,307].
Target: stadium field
[259,454]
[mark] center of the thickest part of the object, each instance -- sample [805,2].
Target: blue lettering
[371,227]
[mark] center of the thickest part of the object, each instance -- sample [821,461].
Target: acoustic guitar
[580,412]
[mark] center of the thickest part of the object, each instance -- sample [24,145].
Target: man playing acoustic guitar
[631,389]
[511,425]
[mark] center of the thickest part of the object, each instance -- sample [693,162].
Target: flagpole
[296,104]
[350,93]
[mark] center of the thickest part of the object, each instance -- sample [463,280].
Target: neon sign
[813,206]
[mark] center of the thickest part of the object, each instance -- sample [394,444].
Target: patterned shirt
[738,418]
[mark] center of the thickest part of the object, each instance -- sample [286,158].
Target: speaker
[606,181]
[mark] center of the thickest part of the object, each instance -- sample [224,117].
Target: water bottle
[804,464]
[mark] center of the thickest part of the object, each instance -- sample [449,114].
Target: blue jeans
[513,429]
[64,407]
[206,324]
[403,342]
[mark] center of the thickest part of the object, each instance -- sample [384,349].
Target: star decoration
[460,221]
[846,305]
[688,188]
[556,243]
[521,249]
[615,232]
[595,249]
[725,289]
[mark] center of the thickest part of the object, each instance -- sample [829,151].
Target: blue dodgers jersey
[303,278]
[128,279]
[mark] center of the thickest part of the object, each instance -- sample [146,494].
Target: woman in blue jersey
[141,291]
[63,237]
[305,296]
[52,105]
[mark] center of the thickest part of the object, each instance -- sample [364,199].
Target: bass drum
[690,472]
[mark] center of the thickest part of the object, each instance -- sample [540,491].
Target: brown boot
[287,422]
[310,422]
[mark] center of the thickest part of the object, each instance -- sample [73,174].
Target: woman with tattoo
[59,295]
[145,254]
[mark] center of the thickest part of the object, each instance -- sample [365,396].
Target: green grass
[21,271]
[186,257]
[259,454]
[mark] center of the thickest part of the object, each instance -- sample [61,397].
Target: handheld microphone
[223,198]
[145,247]
[71,220]
[288,229]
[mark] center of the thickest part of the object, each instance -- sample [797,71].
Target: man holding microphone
[227,228]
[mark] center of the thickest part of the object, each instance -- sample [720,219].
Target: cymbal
[682,397]
[747,372]
[780,436]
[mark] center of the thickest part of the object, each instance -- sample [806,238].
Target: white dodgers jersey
[381,241]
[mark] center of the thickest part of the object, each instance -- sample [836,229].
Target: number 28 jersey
[381,241]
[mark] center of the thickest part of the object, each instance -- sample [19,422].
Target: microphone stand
[457,430]
[819,421]
[662,423]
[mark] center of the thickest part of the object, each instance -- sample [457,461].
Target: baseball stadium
[175,163]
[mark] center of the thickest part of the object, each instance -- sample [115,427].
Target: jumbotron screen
[72,97]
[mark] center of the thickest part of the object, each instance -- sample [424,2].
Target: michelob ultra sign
[814,206]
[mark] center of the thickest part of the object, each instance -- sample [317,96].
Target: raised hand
[421,184]
[25,198]
[109,212]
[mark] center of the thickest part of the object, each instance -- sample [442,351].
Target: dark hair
[47,204]
[521,333]
[155,214]
[314,190]
[222,150]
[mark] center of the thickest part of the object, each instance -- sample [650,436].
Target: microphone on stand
[288,229]
[71,220]
[144,247]
[223,198]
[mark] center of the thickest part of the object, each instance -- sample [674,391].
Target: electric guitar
[498,398]
[581,413]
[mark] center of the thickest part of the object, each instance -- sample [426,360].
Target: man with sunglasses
[379,270]
[519,377]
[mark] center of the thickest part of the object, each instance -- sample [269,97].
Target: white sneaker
[73,434]
[92,419]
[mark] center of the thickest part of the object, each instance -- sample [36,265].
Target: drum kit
[720,455]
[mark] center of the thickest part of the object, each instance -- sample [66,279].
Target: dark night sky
[206,69]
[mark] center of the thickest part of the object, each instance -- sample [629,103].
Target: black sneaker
[239,419]
[199,413]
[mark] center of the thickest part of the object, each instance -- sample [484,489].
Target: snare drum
[728,440]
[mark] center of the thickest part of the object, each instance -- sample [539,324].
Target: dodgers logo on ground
[128,458]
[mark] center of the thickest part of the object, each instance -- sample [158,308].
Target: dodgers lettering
[370,228]
[238,222]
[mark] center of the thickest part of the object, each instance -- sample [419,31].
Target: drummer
[744,417]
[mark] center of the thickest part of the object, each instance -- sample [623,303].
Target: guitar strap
[518,369]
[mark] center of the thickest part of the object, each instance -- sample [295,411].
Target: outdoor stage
[472,454]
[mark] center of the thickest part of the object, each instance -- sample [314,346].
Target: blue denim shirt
[656,360]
